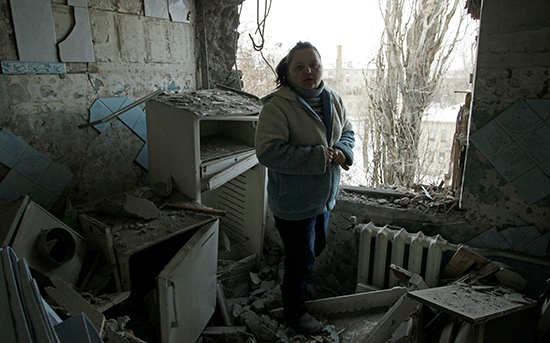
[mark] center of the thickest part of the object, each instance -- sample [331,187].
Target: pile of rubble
[257,312]
[420,198]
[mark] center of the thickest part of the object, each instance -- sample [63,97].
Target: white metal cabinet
[188,146]
[204,146]
[187,287]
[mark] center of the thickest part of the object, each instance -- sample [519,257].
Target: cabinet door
[187,287]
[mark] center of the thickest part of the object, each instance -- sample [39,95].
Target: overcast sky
[354,24]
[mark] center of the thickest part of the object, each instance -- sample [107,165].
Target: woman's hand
[337,156]
[329,155]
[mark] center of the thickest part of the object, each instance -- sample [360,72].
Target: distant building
[436,141]
[438,127]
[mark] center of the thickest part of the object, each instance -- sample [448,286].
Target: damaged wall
[134,56]
[513,64]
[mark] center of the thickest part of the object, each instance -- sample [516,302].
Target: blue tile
[131,116]
[55,178]
[15,185]
[490,139]
[32,164]
[512,162]
[43,197]
[537,247]
[11,148]
[99,111]
[494,240]
[140,127]
[541,107]
[518,119]
[142,158]
[14,67]
[536,143]
[47,68]
[519,236]
[115,104]
[533,185]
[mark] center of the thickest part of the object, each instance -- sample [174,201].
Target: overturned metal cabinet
[187,287]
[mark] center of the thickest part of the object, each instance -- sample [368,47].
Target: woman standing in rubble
[303,138]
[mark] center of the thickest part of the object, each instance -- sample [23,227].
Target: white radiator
[379,247]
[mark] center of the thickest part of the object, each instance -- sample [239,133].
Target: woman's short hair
[282,67]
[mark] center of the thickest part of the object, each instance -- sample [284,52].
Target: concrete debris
[420,198]
[122,205]
[210,102]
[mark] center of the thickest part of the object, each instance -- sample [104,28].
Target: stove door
[187,287]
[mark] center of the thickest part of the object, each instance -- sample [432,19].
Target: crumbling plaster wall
[134,56]
[217,21]
[513,63]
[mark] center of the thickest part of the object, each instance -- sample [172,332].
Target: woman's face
[305,69]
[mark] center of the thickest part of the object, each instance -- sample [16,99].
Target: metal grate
[236,288]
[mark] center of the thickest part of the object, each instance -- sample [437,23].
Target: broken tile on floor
[31,173]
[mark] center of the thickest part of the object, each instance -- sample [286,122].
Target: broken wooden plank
[416,281]
[110,300]
[397,314]
[197,209]
[461,262]
[356,302]
[65,296]
[220,330]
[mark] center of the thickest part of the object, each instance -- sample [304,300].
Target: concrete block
[156,33]
[132,38]
[109,5]
[105,36]
[180,38]
[130,6]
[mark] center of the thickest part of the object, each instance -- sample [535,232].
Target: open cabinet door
[187,287]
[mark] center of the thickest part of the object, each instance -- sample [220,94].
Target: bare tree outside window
[416,45]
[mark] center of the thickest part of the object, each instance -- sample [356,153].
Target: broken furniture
[202,142]
[167,263]
[481,306]
[49,246]
[26,317]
